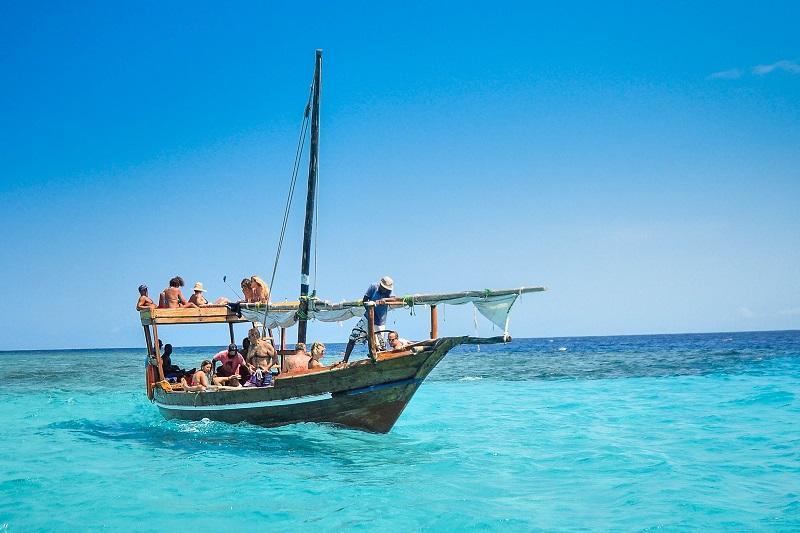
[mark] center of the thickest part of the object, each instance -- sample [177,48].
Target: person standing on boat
[381,294]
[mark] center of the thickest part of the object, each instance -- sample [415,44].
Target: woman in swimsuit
[260,289]
[247,289]
[317,353]
[172,297]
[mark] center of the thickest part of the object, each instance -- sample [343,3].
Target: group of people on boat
[254,290]
[257,363]
[254,365]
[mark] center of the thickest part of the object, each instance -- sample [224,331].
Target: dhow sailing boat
[367,395]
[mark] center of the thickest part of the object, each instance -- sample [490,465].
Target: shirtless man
[197,298]
[260,352]
[297,361]
[144,300]
[172,297]
[396,342]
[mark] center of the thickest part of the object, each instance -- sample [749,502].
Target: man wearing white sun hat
[381,294]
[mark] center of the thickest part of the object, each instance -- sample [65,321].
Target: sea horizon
[513,338]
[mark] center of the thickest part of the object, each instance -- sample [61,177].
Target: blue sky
[641,161]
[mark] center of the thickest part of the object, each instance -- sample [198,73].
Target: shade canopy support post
[434,322]
[157,351]
[283,348]
[373,352]
[148,340]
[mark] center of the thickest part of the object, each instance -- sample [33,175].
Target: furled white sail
[494,305]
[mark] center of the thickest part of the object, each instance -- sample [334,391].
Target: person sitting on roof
[144,300]
[317,353]
[233,365]
[381,294]
[172,297]
[298,360]
[198,298]
[395,342]
[260,290]
[247,290]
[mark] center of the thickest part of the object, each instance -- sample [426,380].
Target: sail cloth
[494,305]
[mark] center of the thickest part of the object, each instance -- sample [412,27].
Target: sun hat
[198,287]
[387,283]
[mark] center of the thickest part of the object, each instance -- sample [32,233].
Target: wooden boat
[367,395]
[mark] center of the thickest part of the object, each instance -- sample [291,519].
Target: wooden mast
[312,187]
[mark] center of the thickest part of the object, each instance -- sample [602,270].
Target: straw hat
[387,283]
[198,287]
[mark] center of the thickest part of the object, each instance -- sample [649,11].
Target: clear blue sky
[641,161]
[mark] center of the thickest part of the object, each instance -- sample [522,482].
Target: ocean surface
[675,432]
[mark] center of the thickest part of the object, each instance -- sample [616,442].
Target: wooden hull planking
[366,396]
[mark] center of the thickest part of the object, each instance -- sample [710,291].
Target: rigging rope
[297,157]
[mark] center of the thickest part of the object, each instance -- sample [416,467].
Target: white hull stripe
[250,405]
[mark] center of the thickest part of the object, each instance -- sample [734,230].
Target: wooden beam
[371,332]
[283,348]
[148,340]
[434,322]
[189,315]
[158,353]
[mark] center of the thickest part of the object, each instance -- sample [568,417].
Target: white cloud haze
[784,65]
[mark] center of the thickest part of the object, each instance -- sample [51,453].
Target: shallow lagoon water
[644,432]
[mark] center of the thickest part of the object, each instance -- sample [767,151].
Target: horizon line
[512,340]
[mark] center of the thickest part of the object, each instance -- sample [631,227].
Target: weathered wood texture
[190,315]
[365,395]
[313,165]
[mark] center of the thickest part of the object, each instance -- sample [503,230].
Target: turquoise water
[625,433]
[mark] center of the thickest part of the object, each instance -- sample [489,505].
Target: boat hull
[366,396]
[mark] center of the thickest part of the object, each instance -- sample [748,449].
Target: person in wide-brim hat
[381,294]
[197,298]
